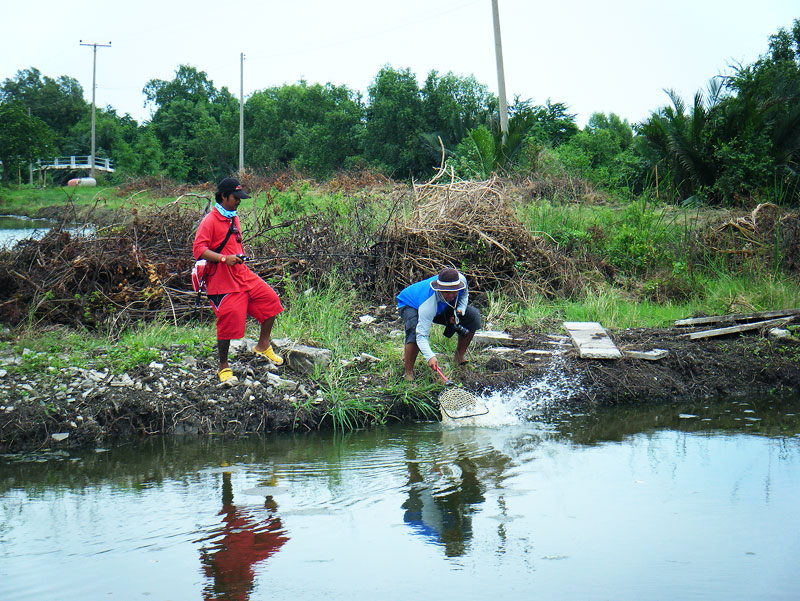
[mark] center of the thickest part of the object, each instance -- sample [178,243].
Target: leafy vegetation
[736,143]
[632,202]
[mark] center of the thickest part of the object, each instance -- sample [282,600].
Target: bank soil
[179,393]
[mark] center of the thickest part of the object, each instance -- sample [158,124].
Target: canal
[672,502]
[14,228]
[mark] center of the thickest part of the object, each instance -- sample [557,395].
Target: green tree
[603,152]
[192,122]
[528,126]
[759,127]
[147,156]
[741,139]
[452,106]
[476,156]
[550,123]
[680,145]
[312,128]
[188,85]
[112,133]
[23,138]
[58,102]
[394,123]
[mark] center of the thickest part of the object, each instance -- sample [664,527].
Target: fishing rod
[247,258]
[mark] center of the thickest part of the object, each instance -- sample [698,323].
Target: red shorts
[232,309]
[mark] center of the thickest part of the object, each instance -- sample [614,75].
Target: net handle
[439,371]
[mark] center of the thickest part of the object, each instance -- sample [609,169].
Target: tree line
[737,141]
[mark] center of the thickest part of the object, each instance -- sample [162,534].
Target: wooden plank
[591,340]
[696,321]
[654,355]
[491,337]
[740,328]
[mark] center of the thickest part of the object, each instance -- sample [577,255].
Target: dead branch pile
[562,187]
[768,236]
[137,265]
[352,181]
[133,269]
[470,226]
[159,186]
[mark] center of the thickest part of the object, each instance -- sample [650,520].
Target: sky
[614,56]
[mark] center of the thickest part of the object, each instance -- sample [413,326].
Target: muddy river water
[669,502]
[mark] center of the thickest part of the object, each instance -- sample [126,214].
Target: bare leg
[461,348]
[222,351]
[409,357]
[265,334]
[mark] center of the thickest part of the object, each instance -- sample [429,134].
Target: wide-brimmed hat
[231,186]
[448,281]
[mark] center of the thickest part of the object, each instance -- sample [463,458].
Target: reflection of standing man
[244,540]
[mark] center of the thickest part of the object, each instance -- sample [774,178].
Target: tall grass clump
[753,292]
[318,313]
[637,238]
[321,315]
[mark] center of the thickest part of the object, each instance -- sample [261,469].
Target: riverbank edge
[179,394]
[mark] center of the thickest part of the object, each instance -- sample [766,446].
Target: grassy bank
[638,264]
[326,315]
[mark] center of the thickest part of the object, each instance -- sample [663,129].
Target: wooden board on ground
[740,328]
[591,340]
[654,355]
[491,337]
[734,318]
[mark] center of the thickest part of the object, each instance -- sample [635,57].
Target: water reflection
[624,503]
[760,416]
[441,509]
[246,537]
[13,229]
[447,488]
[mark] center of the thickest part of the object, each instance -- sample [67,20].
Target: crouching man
[441,299]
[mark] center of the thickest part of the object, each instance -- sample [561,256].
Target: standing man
[442,299]
[233,289]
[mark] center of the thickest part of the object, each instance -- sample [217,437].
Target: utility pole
[94,89]
[241,113]
[501,78]
[30,164]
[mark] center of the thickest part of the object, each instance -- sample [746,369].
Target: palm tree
[680,141]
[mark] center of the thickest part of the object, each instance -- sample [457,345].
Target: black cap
[231,186]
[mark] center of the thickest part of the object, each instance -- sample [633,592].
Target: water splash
[527,402]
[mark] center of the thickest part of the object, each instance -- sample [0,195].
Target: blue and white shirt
[429,303]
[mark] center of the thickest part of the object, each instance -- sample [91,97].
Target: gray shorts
[470,320]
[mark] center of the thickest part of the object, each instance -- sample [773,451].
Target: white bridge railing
[74,162]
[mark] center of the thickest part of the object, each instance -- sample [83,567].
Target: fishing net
[457,402]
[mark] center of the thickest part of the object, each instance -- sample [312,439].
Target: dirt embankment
[179,393]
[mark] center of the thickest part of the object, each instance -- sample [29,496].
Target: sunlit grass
[116,352]
[614,308]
